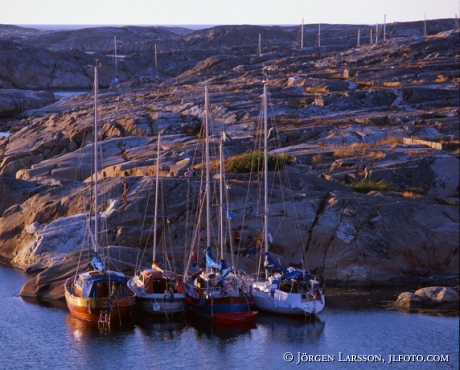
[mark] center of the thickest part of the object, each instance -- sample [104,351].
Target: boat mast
[221,190]
[96,164]
[208,175]
[265,171]
[157,176]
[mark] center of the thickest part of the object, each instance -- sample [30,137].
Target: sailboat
[217,293]
[158,291]
[100,295]
[288,291]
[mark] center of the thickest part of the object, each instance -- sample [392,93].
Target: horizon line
[195,26]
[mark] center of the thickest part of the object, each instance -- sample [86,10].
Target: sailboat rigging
[217,293]
[100,295]
[159,291]
[288,291]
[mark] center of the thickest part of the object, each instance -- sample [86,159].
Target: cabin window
[159,286]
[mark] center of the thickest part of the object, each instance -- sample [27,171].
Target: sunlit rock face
[351,118]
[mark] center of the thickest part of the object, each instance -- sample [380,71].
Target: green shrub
[416,191]
[365,186]
[251,161]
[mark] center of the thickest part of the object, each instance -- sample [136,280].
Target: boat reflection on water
[206,328]
[289,329]
[159,325]
[83,330]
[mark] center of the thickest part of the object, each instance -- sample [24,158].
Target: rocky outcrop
[13,102]
[341,114]
[434,297]
[28,67]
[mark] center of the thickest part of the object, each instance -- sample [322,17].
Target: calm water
[34,336]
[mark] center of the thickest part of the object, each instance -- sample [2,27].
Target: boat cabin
[98,285]
[155,281]
[213,283]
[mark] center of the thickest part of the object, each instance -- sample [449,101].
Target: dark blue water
[37,336]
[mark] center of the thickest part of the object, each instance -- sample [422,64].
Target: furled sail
[97,263]
[270,264]
[222,267]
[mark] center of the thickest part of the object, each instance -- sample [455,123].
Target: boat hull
[165,303]
[287,303]
[224,305]
[89,309]
[162,306]
[234,318]
[230,309]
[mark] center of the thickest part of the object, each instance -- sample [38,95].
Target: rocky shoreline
[351,117]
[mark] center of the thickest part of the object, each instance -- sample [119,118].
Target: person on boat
[314,287]
[169,293]
[257,246]
[125,191]
[259,238]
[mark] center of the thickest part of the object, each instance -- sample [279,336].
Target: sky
[220,12]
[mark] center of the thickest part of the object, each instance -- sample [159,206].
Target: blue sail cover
[297,275]
[224,270]
[289,272]
[270,264]
[213,264]
[210,261]
[89,284]
[97,263]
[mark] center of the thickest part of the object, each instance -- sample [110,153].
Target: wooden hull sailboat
[99,295]
[217,293]
[158,291]
[289,291]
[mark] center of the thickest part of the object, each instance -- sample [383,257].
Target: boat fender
[179,288]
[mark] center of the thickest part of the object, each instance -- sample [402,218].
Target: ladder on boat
[103,322]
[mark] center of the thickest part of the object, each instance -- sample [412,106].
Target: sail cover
[270,264]
[222,267]
[97,263]
[296,274]
[210,261]
[89,284]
